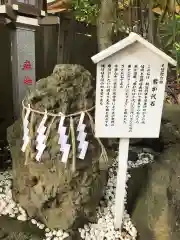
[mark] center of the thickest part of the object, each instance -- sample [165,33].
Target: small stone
[65,234]
[49,234]
[41,226]
[34,221]
[22,218]
[59,233]
[83,234]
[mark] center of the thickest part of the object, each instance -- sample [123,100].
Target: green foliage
[168,27]
[177,52]
[86,10]
[169,33]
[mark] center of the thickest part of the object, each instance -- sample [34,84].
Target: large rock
[47,190]
[156,210]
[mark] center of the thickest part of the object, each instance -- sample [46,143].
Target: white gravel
[102,230]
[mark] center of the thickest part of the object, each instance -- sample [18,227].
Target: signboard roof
[132,38]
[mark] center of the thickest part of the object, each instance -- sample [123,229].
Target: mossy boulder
[156,210]
[48,190]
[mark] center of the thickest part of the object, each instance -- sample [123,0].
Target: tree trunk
[106,22]
[151,23]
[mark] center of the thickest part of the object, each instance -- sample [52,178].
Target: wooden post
[121,181]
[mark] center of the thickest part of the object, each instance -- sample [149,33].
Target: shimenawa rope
[103,157]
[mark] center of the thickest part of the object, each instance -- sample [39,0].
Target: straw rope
[54,114]
[103,157]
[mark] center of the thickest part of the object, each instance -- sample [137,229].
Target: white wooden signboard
[131,78]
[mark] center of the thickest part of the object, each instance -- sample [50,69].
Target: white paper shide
[26,137]
[63,138]
[41,138]
[81,136]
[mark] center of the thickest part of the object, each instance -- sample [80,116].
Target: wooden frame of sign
[130,86]
[29,8]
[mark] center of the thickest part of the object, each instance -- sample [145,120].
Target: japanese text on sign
[128,95]
[108,89]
